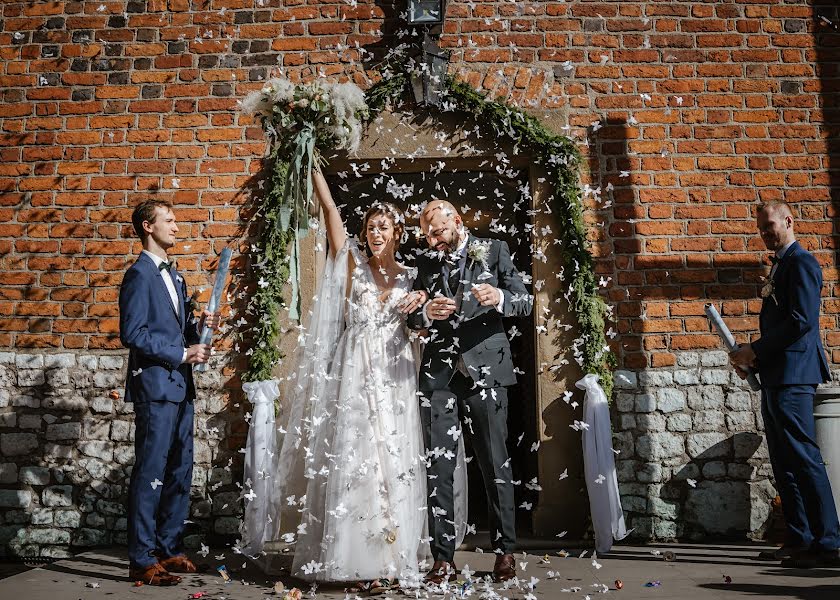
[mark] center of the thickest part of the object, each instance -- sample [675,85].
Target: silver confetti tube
[729,341]
[215,299]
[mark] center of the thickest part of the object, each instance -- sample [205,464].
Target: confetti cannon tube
[215,299]
[729,341]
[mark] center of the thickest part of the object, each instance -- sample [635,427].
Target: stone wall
[66,450]
[692,460]
[691,464]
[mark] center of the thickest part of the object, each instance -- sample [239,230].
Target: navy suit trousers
[159,492]
[798,467]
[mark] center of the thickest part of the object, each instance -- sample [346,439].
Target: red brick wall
[710,106]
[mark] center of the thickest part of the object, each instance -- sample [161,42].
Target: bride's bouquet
[304,121]
[330,114]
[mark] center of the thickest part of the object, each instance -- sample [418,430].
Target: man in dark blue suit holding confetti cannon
[158,327]
[791,362]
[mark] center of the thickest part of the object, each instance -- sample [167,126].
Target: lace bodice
[364,308]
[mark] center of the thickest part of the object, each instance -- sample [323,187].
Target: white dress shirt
[167,280]
[166,275]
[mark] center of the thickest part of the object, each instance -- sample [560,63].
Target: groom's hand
[412,301]
[440,309]
[486,294]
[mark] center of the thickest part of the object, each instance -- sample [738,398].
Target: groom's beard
[450,246]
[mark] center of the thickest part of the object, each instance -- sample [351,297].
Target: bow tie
[165,266]
[774,260]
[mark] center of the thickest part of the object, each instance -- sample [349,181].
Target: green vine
[267,299]
[561,158]
[557,154]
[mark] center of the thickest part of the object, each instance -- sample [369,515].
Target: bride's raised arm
[336,234]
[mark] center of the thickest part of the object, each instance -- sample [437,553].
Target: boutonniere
[768,290]
[477,252]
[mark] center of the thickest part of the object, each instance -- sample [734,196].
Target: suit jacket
[790,351]
[155,335]
[474,332]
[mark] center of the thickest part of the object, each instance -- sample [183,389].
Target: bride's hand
[412,301]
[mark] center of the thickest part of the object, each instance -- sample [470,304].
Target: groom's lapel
[436,278]
[467,302]
[784,261]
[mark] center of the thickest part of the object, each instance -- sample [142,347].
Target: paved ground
[696,572]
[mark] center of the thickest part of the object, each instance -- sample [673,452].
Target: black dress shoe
[829,558]
[780,553]
[813,559]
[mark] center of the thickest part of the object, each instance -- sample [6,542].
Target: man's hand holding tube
[198,354]
[211,320]
[742,359]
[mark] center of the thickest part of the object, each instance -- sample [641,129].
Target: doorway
[494,201]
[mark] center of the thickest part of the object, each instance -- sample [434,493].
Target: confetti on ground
[223,573]
[293,594]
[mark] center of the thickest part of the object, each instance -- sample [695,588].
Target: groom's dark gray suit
[465,369]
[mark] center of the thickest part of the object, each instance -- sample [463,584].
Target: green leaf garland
[557,154]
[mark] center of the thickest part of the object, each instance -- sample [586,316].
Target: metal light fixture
[429,73]
[425,12]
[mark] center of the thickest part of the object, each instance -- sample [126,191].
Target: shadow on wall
[722,503]
[826,27]
[684,415]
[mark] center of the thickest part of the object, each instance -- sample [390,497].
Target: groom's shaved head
[442,225]
[443,207]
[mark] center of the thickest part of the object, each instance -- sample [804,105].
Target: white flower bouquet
[331,113]
[304,121]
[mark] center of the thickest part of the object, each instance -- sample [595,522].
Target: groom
[466,368]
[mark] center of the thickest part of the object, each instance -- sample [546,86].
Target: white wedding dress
[343,475]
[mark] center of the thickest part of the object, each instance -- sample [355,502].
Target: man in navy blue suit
[791,363]
[159,329]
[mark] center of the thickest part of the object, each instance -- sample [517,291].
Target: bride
[343,475]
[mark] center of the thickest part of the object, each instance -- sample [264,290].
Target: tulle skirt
[364,515]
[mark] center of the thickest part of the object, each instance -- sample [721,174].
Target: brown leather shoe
[178,564]
[505,568]
[153,575]
[441,571]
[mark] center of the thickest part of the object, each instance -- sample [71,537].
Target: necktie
[165,266]
[774,260]
[454,277]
